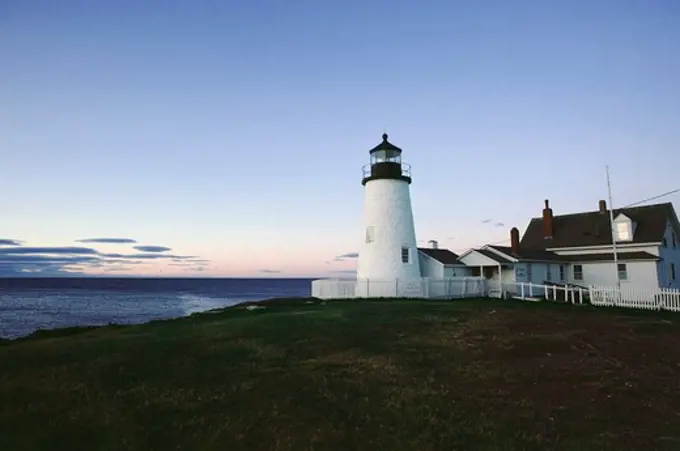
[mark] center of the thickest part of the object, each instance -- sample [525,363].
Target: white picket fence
[630,296]
[428,288]
[633,296]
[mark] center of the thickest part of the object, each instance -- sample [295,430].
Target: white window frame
[562,271]
[623,273]
[529,272]
[580,272]
[548,273]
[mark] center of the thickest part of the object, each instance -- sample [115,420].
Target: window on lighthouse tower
[405,255]
[370,234]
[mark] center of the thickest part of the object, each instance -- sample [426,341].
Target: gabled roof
[529,254]
[492,255]
[593,228]
[444,256]
[485,253]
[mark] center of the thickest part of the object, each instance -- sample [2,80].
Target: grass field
[351,375]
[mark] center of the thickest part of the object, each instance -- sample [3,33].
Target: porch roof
[621,256]
[539,255]
[483,257]
[493,256]
[444,256]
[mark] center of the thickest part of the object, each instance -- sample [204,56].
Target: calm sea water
[29,304]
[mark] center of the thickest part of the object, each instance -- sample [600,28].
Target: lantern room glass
[385,156]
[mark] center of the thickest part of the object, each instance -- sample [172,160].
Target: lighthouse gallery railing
[405,170]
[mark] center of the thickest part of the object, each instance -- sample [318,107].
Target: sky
[229,135]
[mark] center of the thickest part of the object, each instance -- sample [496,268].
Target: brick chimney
[514,241]
[602,206]
[547,220]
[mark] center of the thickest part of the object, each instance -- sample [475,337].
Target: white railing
[455,287]
[532,291]
[334,288]
[366,170]
[429,288]
[629,296]
[635,296]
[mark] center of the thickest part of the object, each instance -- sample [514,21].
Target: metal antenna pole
[613,232]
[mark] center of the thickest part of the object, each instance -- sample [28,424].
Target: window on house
[623,271]
[562,273]
[673,239]
[622,231]
[548,273]
[529,272]
[405,255]
[578,272]
[672,271]
[370,234]
[664,243]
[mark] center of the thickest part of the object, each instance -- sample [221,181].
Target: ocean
[29,304]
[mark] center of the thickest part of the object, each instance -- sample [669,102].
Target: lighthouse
[389,254]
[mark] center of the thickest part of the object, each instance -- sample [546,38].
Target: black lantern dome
[386,163]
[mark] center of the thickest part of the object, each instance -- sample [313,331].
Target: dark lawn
[349,375]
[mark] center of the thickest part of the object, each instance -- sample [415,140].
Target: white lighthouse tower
[389,255]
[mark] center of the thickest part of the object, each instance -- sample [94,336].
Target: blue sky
[234,132]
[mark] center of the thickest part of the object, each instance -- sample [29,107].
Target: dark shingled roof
[385,145]
[444,256]
[593,228]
